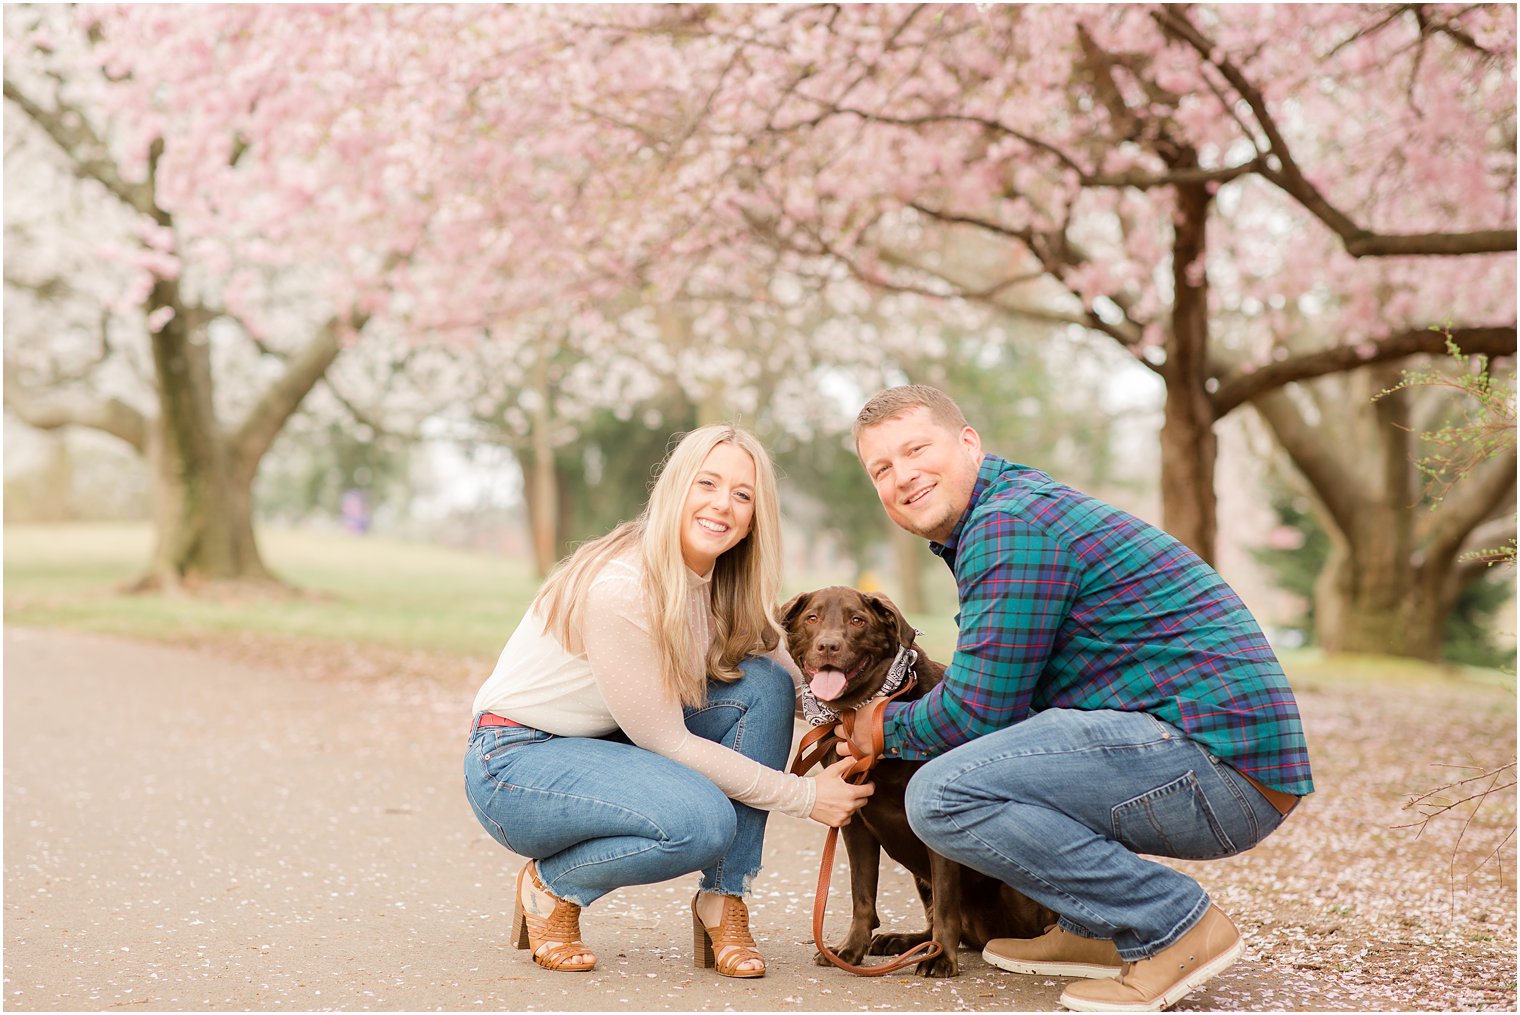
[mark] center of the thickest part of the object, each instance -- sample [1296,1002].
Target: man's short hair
[893,402]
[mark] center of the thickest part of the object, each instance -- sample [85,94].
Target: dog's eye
[811,618]
[858,621]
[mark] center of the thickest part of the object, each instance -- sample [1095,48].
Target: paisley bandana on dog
[819,714]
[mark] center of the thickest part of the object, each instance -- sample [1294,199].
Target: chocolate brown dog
[845,642]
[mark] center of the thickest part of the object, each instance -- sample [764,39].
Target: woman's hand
[837,799]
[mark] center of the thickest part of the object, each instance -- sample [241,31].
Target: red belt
[491,719]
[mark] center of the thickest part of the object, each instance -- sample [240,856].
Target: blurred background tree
[1470,635]
[1395,569]
[569,233]
[311,468]
[1128,170]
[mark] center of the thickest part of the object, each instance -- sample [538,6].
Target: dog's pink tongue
[827,685]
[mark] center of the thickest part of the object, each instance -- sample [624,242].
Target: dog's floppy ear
[791,608]
[893,616]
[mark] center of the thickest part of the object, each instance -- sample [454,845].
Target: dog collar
[819,714]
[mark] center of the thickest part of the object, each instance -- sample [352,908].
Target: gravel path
[187,829]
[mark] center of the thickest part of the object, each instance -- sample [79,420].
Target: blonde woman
[635,724]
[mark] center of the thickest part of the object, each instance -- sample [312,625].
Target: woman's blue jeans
[1061,805]
[598,813]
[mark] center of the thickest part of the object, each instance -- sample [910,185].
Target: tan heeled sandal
[559,936]
[732,940]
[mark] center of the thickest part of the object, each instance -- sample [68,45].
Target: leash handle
[814,746]
[811,750]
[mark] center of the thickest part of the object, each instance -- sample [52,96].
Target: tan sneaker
[1208,948]
[1054,953]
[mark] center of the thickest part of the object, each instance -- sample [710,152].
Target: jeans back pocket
[486,758]
[495,741]
[1174,820]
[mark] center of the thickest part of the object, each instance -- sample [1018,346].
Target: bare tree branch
[261,425]
[1336,485]
[71,132]
[366,418]
[1358,240]
[1057,254]
[1431,23]
[1467,505]
[1498,340]
[58,410]
[1431,810]
[1180,177]
[1393,14]
[1491,543]
[1416,801]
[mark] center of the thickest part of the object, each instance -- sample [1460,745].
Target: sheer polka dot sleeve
[781,656]
[624,659]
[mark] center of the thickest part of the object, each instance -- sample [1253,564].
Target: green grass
[354,589]
[1311,669]
[389,592]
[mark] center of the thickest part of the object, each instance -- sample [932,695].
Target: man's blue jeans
[1061,805]
[598,813]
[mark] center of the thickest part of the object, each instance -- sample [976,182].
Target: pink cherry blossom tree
[287,181]
[1158,164]
[1246,197]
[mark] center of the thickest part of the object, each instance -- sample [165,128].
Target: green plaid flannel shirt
[1068,602]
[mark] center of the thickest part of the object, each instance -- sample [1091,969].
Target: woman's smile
[719,507]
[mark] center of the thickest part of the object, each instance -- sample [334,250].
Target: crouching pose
[636,720]
[1109,696]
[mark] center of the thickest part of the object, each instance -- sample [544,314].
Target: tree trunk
[541,486]
[1189,447]
[907,553]
[203,528]
[1392,578]
[202,510]
[540,481]
[202,473]
[1363,605]
[1368,601]
[568,491]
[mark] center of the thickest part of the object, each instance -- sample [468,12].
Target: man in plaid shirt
[1109,696]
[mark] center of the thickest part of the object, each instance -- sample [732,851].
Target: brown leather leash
[810,751]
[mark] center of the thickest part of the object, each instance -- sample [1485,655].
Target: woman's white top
[616,684]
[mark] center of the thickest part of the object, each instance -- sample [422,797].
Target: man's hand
[867,719]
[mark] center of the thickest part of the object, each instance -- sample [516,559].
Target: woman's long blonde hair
[746,580]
